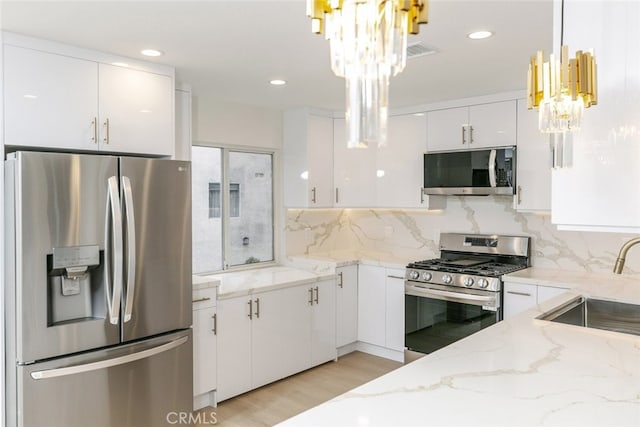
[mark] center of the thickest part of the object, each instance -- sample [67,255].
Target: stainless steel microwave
[471,172]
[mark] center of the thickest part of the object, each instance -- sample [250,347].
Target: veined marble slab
[519,372]
[204,282]
[247,282]
[341,258]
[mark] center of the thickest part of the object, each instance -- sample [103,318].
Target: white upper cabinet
[533,178]
[136,111]
[600,191]
[308,160]
[477,126]
[68,98]
[50,100]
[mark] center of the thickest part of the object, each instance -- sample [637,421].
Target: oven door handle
[452,296]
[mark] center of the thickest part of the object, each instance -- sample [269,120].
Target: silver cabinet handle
[422,195]
[313,195]
[317,295]
[492,169]
[340,282]
[215,324]
[106,135]
[470,134]
[257,308]
[337,198]
[250,315]
[94,123]
[113,241]
[131,247]
[464,135]
[523,294]
[395,277]
[310,296]
[201,299]
[519,195]
[103,364]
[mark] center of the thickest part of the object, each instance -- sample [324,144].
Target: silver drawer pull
[201,299]
[524,294]
[395,277]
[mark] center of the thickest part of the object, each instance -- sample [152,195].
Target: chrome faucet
[617,269]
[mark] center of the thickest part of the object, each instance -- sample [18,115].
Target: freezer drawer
[139,384]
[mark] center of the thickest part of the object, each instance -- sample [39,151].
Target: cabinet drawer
[204,298]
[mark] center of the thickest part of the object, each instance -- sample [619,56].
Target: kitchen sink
[598,314]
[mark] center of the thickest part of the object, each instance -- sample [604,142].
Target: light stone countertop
[247,282]
[204,282]
[519,372]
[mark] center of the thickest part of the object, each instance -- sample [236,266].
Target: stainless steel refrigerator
[98,290]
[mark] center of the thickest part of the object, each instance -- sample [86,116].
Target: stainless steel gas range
[460,293]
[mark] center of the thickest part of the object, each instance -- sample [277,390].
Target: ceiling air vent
[418,49]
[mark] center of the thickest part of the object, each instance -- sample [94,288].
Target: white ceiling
[231,49]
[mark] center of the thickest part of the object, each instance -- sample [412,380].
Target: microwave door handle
[131,247]
[113,242]
[492,169]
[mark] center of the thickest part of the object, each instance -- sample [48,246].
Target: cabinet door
[204,350]
[136,111]
[347,305]
[183,125]
[234,347]
[518,297]
[448,129]
[547,292]
[533,178]
[493,125]
[281,333]
[320,161]
[371,305]
[49,100]
[399,171]
[394,309]
[323,322]
[354,171]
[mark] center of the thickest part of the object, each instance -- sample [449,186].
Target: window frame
[276,233]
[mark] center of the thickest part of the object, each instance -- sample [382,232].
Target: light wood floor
[281,400]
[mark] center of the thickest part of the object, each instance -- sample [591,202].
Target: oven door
[436,315]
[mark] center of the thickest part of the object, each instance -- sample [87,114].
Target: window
[232,208]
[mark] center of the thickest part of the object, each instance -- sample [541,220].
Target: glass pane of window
[206,176]
[251,208]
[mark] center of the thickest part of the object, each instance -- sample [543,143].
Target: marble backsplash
[413,234]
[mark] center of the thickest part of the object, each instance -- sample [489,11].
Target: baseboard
[375,350]
[204,400]
[346,349]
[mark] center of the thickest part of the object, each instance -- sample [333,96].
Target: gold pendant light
[368,41]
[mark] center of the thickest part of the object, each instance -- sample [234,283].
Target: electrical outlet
[307,235]
[436,236]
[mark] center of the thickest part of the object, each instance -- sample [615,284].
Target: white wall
[219,122]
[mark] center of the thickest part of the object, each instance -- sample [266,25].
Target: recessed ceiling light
[418,114]
[151,52]
[120,64]
[478,35]
[278,82]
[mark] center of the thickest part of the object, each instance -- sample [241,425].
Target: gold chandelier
[368,42]
[561,89]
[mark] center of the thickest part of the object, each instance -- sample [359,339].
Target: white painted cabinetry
[519,297]
[204,347]
[183,124]
[57,100]
[347,305]
[270,335]
[533,179]
[381,310]
[308,159]
[476,126]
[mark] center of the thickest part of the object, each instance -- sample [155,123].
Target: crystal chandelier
[368,42]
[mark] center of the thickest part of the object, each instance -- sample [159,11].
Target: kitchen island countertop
[519,372]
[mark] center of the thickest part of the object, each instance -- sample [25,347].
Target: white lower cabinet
[381,307]
[204,347]
[347,305]
[519,297]
[270,335]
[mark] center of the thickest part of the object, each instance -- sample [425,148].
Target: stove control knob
[426,276]
[447,279]
[414,275]
[483,283]
[468,282]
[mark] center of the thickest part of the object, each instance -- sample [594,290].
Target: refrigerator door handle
[131,247]
[113,241]
[107,363]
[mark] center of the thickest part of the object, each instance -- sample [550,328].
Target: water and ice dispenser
[75,290]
